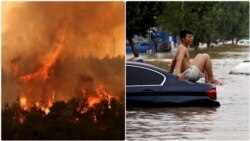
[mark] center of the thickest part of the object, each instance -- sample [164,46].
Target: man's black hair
[184,33]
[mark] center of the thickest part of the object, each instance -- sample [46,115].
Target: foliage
[140,17]
[65,121]
[233,20]
[209,21]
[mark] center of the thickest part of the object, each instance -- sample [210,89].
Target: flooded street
[230,121]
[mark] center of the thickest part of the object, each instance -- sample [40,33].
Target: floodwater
[230,121]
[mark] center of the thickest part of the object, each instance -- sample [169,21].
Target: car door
[142,84]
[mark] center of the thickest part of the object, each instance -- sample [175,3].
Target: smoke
[92,52]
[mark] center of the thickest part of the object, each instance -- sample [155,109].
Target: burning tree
[104,120]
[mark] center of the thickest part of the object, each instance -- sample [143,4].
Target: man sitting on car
[192,71]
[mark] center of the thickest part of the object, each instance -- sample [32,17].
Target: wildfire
[101,94]
[42,73]
[44,106]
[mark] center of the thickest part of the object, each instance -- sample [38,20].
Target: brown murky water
[230,121]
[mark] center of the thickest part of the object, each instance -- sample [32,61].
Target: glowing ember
[94,118]
[23,103]
[37,104]
[45,110]
[21,119]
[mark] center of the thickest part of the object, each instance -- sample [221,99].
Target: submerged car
[244,42]
[242,68]
[150,86]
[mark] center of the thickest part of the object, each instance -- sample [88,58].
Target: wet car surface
[150,86]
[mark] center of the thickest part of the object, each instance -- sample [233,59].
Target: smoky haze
[92,53]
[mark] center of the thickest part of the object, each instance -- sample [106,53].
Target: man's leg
[204,64]
[197,57]
[206,76]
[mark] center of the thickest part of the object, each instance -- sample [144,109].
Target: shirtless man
[192,71]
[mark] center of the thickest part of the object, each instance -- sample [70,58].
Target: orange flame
[101,94]
[42,73]
[93,100]
[23,103]
[44,106]
[45,110]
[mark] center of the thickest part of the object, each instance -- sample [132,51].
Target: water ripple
[228,122]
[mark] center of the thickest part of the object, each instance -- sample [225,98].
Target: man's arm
[173,63]
[179,61]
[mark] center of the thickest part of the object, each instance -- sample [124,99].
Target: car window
[132,76]
[150,77]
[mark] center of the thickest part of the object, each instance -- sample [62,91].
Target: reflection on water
[228,122]
[168,123]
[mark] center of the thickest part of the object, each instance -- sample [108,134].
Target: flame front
[100,94]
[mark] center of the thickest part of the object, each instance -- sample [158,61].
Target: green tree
[194,16]
[209,21]
[140,16]
[233,24]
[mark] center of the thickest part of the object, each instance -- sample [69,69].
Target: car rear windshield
[132,76]
[151,77]
[142,76]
